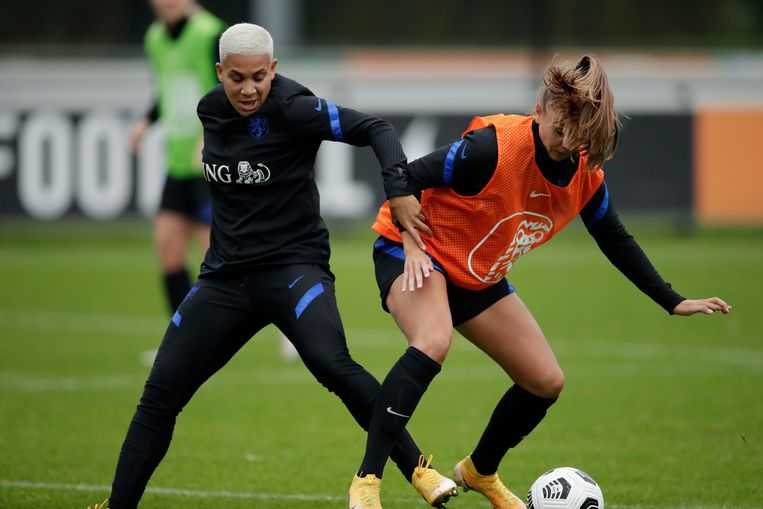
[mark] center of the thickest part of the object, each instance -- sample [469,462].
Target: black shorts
[389,263]
[189,197]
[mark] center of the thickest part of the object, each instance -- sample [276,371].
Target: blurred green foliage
[86,24]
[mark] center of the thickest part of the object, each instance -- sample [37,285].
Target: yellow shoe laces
[368,493]
[425,479]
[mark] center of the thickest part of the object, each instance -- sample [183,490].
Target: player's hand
[707,306]
[418,265]
[137,134]
[406,210]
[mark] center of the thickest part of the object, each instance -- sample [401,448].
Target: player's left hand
[417,265]
[406,210]
[708,306]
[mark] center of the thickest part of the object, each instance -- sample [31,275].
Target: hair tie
[584,64]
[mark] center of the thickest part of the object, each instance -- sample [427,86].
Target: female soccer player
[268,261]
[507,186]
[182,47]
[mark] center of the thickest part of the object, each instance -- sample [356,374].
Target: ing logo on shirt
[246,173]
[490,260]
[258,126]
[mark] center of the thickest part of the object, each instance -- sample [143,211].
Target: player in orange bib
[506,187]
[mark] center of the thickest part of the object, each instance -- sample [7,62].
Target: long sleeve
[623,251]
[320,119]
[466,165]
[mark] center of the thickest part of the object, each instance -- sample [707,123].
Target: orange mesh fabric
[478,238]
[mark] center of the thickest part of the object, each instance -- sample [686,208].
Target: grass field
[665,412]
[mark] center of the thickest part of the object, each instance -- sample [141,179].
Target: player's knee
[171,248]
[156,413]
[435,343]
[171,258]
[550,385]
[544,384]
[331,370]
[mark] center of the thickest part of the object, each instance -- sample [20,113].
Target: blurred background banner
[689,82]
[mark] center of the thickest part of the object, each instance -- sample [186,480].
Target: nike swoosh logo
[463,152]
[319,107]
[533,194]
[390,411]
[295,281]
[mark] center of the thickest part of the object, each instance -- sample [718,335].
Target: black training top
[473,165]
[265,204]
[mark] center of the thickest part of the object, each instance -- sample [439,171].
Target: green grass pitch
[665,412]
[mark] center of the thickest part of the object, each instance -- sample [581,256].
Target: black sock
[515,416]
[401,391]
[177,284]
[405,453]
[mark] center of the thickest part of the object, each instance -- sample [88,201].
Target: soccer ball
[565,488]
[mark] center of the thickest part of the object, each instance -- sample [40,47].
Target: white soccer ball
[565,488]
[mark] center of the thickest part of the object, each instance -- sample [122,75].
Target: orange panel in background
[728,166]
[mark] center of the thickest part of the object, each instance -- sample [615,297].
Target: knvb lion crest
[258,126]
[491,259]
[249,175]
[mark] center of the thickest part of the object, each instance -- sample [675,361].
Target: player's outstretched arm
[708,306]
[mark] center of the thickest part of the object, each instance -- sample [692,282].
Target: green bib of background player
[184,70]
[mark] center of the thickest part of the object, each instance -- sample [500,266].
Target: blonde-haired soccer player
[506,187]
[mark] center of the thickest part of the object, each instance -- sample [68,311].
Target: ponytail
[581,97]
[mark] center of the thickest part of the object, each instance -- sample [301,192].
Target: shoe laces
[368,493]
[425,477]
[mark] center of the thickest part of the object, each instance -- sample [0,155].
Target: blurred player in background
[268,262]
[506,187]
[182,48]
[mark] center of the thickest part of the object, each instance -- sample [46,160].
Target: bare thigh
[509,334]
[423,315]
[172,232]
[202,230]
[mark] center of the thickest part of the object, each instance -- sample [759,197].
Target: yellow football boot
[434,487]
[364,492]
[490,486]
[102,505]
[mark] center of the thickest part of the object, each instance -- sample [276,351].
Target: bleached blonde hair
[245,39]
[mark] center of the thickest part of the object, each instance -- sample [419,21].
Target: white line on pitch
[6,483]
[177,492]
[41,320]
